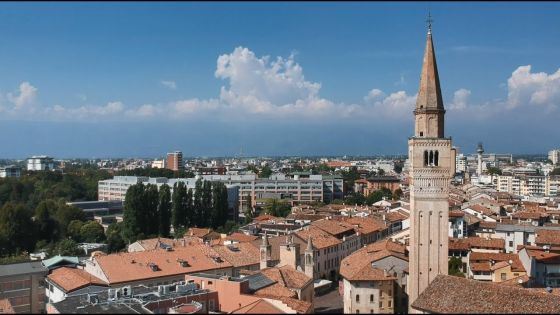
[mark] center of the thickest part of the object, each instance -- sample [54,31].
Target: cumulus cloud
[169,84]
[86,112]
[540,89]
[373,95]
[397,105]
[460,99]
[26,96]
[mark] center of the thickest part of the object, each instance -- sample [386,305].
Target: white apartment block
[554,156]
[40,163]
[529,185]
[10,171]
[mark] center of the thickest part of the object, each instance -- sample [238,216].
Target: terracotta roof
[365,225]
[239,255]
[126,267]
[445,292]
[482,209]
[477,258]
[260,306]
[274,243]
[198,232]
[517,281]
[525,215]
[333,227]
[544,257]
[306,216]
[6,307]
[395,216]
[460,244]
[359,265]
[265,217]
[492,243]
[319,238]
[287,277]
[456,214]
[241,238]
[547,237]
[488,225]
[483,266]
[153,243]
[71,279]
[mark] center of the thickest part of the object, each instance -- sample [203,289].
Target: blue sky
[140,79]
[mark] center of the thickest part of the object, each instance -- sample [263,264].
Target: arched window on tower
[431,158]
[425,158]
[436,158]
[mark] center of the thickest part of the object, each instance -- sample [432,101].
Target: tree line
[149,212]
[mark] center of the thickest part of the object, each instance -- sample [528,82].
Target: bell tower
[432,161]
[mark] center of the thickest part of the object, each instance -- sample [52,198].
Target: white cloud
[27,95]
[169,84]
[397,105]
[373,95]
[526,88]
[460,99]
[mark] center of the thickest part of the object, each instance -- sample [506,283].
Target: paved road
[329,303]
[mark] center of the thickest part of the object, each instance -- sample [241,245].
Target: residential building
[10,171]
[23,285]
[40,163]
[371,184]
[543,266]
[175,161]
[554,156]
[375,279]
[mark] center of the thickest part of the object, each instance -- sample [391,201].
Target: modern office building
[175,161]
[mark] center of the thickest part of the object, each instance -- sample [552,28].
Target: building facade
[10,171]
[175,161]
[23,284]
[40,163]
[432,160]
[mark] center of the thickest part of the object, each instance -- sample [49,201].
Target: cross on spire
[429,21]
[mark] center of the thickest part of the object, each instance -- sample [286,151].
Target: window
[503,276]
[371,298]
[510,243]
[390,292]
[390,303]
[421,134]
[357,311]
[380,304]
[357,298]
[436,158]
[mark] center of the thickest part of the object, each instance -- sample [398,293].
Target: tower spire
[429,110]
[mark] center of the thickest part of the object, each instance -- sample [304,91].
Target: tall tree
[164,210]
[115,241]
[16,228]
[47,226]
[92,232]
[178,215]
[133,212]
[197,203]
[189,208]
[150,211]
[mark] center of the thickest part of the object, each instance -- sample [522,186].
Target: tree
[380,172]
[397,194]
[455,266]
[204,212]
[66,247]
[494,171]
[73,230]
[277,207]
[248,211]
[189,208]
[265,172]
[16,228]
[133,214]
[164,211]
[378,195]
[64,214]
[115,241]
[47,226]
[92,232]
[178,215]
[398,166]
[197,203]
[220,206]
[555,171]
[150,215]
[355,199]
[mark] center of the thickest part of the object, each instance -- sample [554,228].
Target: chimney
[183,242]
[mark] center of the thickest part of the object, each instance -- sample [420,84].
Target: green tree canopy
[277,207]
[164,211]
[92,232]
[115,241]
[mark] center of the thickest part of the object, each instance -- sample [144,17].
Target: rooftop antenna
[429,21]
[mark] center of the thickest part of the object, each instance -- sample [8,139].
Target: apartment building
[40,163]
[10,171]
[175,161]
[23,284]
[529,185]
[115,189]
[296,188]
[554,156]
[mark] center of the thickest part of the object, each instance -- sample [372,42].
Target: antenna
[429,22]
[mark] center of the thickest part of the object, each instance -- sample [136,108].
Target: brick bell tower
[432,161]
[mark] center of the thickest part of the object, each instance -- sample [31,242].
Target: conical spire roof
[429,93]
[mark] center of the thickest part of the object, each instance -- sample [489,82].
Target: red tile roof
[71,279]
[359,265]
[449,294]
[547,237]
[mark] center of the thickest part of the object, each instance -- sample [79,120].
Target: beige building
[432,161]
